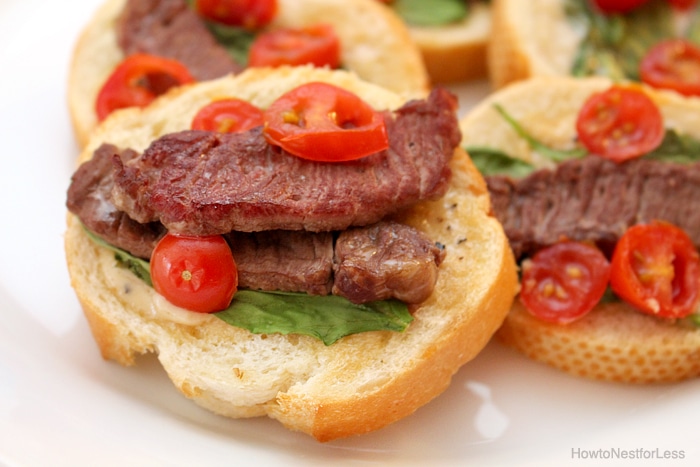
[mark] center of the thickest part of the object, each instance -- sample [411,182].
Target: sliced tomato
[563,282]
[683,4]
[617,6]
[323,122]
[248,14]
[673,64]
[620,123]
[137,80]
[195,273]
[317,45]
[228,116]
[656,269]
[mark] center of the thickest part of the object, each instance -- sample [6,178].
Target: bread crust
[360,383]
[613,342]
[456,52]
[375,45]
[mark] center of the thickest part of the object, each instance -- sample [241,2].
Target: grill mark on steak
[171,29]
[595,199]
[203,183]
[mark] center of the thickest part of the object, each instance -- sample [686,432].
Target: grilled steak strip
[295,261]
[89,198]
[169,28]
[385,260]
[595,199]
[203,183]
[292,261]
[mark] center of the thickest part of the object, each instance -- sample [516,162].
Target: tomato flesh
[563,282]
[617,6]
[248,14]
[228,116]
[620,123]
[322,122]
[673,64]
[317,45]
[683,4]
[137,81]
[656,269]
[195,273]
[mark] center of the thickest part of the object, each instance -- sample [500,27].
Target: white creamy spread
[140,296]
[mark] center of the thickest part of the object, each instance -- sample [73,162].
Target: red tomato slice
[656,268]
[317,45]
[137,80]
[248,14]
[683,4]
[618,6]
[673,64]
[228,116]
[620,123]
[195,273]
[563,282]
[322,122]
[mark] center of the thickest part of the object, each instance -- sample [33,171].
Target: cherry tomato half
[618,6]
[656,269]
[137,80]
[195,273]
[673,64]
[228,116]
[323,122]
[317,45]
[620,123]
[248,14]
[683,4]
[563,282]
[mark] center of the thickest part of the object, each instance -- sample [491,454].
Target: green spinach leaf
[430,13]
[327,318]
[491,161]
[677,148]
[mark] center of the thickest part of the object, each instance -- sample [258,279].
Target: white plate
[61,404]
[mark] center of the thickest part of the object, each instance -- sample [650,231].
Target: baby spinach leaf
[236,41]
[491,161]
[432,13]
[327,317]
[677,148]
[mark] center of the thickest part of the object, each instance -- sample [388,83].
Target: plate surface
[61,404]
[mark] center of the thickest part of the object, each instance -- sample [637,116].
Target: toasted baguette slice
[530,39]
[356,385]
[613,342]
[375,44]
[456,52]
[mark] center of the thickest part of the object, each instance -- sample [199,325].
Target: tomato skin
[656,269]
[137,80]
[620,123]
[248,14]
[683,4]
[563,282]
[322,122]
[317,45]
[195,273]
[617,6]
[673,64]
[228,116]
